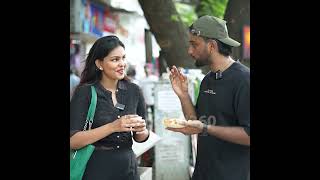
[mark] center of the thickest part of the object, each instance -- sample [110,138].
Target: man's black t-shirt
[224,102]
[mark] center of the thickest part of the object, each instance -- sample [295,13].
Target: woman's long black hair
[100,49]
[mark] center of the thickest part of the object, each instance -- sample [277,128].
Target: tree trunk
[237,15]
[170,34]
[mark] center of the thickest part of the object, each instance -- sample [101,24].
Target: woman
[119,115]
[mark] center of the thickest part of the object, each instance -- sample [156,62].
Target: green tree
[237,15]
[168,22]
[212,7]
[186,12]
[170,32]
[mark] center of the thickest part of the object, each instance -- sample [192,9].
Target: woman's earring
[100,68]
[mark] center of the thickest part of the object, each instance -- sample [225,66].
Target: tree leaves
[212,7]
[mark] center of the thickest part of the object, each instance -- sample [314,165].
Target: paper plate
[173,123]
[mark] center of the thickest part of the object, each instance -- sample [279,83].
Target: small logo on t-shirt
[210,91]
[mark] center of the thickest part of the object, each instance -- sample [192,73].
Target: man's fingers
[175,129]
[181,76]
[174,68]
[185,78]
[190,123]
[176,73]
[171,129]
[183,123]
[171,77]
[193,123]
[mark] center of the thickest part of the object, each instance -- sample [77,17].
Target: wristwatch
[204,130]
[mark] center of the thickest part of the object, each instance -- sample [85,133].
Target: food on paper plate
[173,123]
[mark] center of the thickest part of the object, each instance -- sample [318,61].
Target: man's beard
[202,62]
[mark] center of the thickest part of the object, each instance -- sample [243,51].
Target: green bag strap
[92,108]
[90,114]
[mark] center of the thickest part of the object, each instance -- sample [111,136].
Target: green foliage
[174,17]
[187,13]
[212,7]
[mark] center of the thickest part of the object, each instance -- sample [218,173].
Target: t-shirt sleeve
[79,108]
[242,104]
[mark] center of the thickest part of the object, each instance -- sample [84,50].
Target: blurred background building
[90,20]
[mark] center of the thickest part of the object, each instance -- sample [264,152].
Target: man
[221,117]
[131,73]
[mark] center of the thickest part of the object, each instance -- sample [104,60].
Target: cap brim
[230,42]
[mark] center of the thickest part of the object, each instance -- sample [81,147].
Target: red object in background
[109,23]
[246,42]
[147,158]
